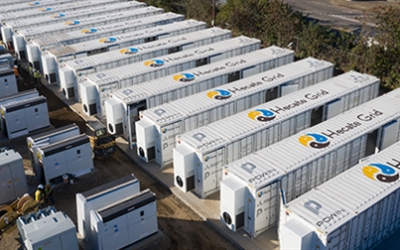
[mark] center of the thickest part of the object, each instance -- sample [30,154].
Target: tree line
[276,23]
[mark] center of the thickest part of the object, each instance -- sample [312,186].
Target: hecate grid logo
[314,140]
[184,77]
[45,9]
[89,31]
[219,94]
[108,40]
[380,172]
[129,51]
[34,3]
[61,15]
[72,23]
[262,115]
[154,63]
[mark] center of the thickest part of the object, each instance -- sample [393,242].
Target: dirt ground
[182,228]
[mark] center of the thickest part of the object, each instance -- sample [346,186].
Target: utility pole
[213,14]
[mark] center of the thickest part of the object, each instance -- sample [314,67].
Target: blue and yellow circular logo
[219,94]
[71,23]
[45,9]
[184,77]
[108,40]
[129,51]
[380,172]
[34,3]
[154,63]
[262,115]
[89,31]
[314,140]
[61,15]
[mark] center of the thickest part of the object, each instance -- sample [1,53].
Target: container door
[388,135]
[289,87]
[250,71]
[7,187]
[333,108]
[371,142]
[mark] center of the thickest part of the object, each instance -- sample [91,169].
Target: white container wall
[23,117]
[104,33]
[167,89]
[100,197]
[355,210]
[12,179]
[46,138]
[81,67]
[317,154]
[133,218]
[108,81]
[72,156]
[246,132]
[163,123]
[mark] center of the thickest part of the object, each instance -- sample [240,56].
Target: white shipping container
[317,154]
[100,197]
[81,67]
[72,156]
[163,123]
[101,34]
[166,89]
[125,222]
[217,144]
[25,116]
[357,209]
[5,3]
[34,5]
[46,138]
[106,82]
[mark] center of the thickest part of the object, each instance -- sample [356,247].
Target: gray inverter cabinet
[22,95]
[46,138]
[8,83]
[12,176]
[24,117]
[102,196]
[47,229]
[72,156]
[125,222]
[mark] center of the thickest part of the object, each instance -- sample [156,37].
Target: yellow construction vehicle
[10,213]
[103,144]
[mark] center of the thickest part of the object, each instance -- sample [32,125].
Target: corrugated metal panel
[97,32]
[133,70]
[142,49]
[69,15]
[242,125]
[169,83]
[306,207]
[201,102]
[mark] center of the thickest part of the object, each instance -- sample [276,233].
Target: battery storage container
[81,67]
[125,222]
[100,197]
[317,154]
[24,117]
[355,210]
[100,85]
[163,123]
[47,229]
[122,109]
[103,33]
[72,156]
[12,178]
[47,138]
[217,144]
[18,6]
[68,21]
